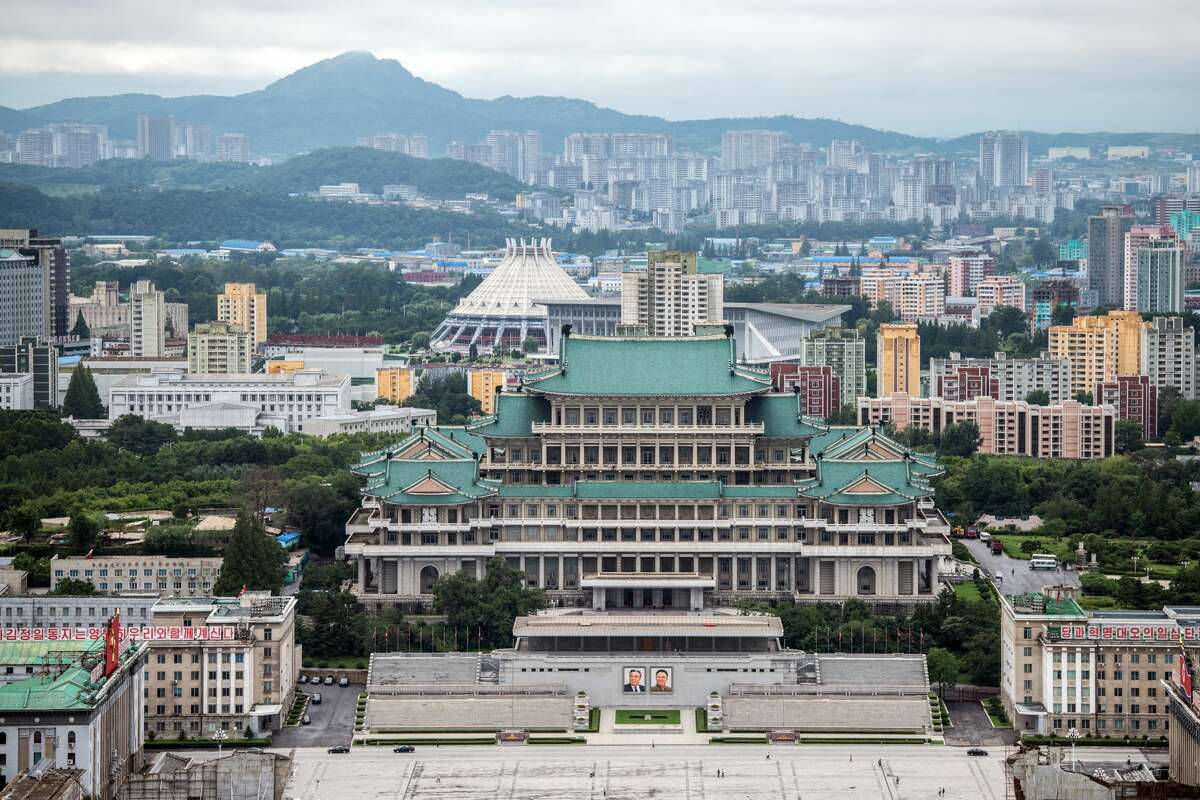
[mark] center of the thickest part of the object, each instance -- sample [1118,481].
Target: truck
[972,532]
[997,546]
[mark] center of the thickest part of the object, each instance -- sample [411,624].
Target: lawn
[657,716]
[1057,547]
[967,591]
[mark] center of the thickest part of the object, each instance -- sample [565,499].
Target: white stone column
[774,583]
[362,575]
[542,571]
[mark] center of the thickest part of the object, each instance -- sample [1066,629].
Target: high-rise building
[846,154]
[36,357]
[845,352]
[192,140]
[1106,255]
[1160,281]
[1168,355]
[156,137]
[1193,177]
[395,384]
[750,149]
[219,348]
[55,264]
[78,144]
[147,320]
[816,388]
[482,384]
[1003,159]
[672,295]
[898,360]
[1099,347]
[964,273]
[233,147]
[242,304]
[1135,397]
[1000,290]
[999,377]
[23,291]
[35,147]
[920,295]
[1136,238]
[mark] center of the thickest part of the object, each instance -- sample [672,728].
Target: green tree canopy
[1128,435]
[141,436]
[83,531]
[83,399]
[943,668]
[253,559]
[1038,397]
[488,606]
[959,439]
[74,587]
[81,330]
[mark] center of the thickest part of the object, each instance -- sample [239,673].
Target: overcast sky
[923,66]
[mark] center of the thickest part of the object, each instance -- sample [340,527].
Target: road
[1017,577]
[620,772]
[332,721]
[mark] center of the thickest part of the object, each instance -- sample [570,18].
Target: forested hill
[440,178]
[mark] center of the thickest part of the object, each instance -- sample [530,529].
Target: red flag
[245,589]
[112,646]
[89,553]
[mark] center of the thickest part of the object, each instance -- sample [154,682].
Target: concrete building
[1183,724]
[24,294]
[1000,290]
[1106,255]
[1048,295]
[1168,355]
[219,348]
[898,360]
[82,710]
[1159,277]
[966,271]
[240,674]
[395,384]
[377,420]
[768,332]
[147,321]
[672,296]
[288,400]
[237,775]
[750,149]
[844,351]
[1135,397]
[108,370]
[55,264]
[73,617]
[1136,238]
[1099,347]
[1003,159]
[32,356]
[165,575]
[482,384]
[242,304]
[233,147]
[1006,427]
[1099,672]
[999,377]
[573,482]
[922,295]
[817,388]
[16,392]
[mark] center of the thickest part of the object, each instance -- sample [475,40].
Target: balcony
[745,429]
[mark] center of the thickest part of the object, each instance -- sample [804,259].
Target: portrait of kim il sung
[634,680]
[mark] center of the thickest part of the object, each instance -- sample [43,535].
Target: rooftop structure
[504,310]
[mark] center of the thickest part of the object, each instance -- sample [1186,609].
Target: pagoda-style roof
[432,466]
[781,416]
[853,483]
[514,416]
[643,367]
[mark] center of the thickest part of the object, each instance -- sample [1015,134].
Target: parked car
[343,681]
[306,720]
[341,748]
[316,699]
[404,748]
[329,680]
[302,679]
[977,751]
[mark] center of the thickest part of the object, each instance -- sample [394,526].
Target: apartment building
[395,384]
[921,295]
[1106,255]
[164,575]
[242,304]
[1160,278]
[23,297]
[147,321]
[817,388]
[897,360]
[965,272]
[1000,290]
[1168,355]
[1099,672]
[36,357]
[640,471]
[1099,347]
[1006,427]
[171,395]
[482,384]
[844,351]
[999,377]
[232,666]
[672,296]
[219,348]
[1135,397]
[1158,238]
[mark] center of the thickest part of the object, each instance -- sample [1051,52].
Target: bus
[1043,561]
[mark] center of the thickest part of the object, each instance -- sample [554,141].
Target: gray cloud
[923,66]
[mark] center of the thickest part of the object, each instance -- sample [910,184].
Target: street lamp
[220,736]
[1073,734]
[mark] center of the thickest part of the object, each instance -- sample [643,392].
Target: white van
[1043,561]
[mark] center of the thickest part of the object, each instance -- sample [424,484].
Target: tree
[1062,314]
[83,531]
[260,488]
[1083,397]
[1128,436]
[1006,320]
[1038,397]
[473,352]
[1043,252]
[1169,398]
[530,345]
[26,520]
[141,436]
[253,559]
[83,399]
[74,587]
[1186,422]
[489,606]
[81,330]
[943,667]
[320,511]
[959,439]
[419,341]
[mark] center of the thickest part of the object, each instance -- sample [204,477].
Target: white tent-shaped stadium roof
[527,272]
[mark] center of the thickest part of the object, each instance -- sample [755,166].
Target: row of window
[554,533]
[92,611]
[647,416]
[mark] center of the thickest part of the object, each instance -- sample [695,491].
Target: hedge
[556,740]
[737,740]
[1096,741]
[202,744]
[701,720]
[431,742]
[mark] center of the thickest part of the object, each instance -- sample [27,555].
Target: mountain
[334,101]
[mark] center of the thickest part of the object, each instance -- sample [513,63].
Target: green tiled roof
[780,416]
[70,689]
[32,654]
[697,365]
[708,266]
[900,486]
[849,443]
[515,414]
[392,482]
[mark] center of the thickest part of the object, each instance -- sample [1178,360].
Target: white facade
[24,294]
[164,575]
[378,420]
[1015,377]
[147,321]
[16,392]
[1168,355]
[291,398]
[1000,290]
[671,297]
